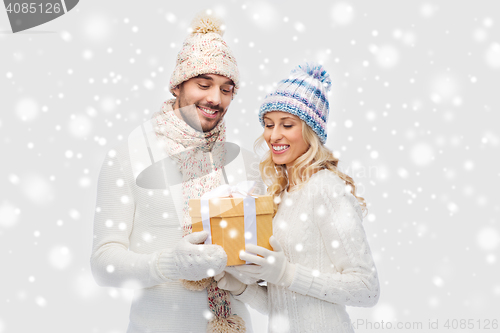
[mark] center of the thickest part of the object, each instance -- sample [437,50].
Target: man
[139,229]
[210,93]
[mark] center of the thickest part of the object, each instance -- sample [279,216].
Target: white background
[414,119]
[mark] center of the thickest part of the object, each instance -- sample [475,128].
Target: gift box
[234,222]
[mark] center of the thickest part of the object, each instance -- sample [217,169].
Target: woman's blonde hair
[317,157]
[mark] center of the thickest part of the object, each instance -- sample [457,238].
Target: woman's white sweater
[320,229]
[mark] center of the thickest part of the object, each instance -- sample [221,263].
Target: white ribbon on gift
[243,190]
[240,190]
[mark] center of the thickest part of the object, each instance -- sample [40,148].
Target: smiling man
[203,101]
[142,235]
[205,78]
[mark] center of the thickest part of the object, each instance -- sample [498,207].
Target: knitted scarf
[201,166]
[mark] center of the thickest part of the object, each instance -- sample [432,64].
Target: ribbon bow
[241,190]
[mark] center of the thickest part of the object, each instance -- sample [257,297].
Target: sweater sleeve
[338,215]
[255,296]
[112,264]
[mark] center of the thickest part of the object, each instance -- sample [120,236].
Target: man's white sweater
[135,230]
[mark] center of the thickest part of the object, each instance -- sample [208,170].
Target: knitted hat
[205,52]
[303,94]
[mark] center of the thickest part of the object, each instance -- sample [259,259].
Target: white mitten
[273,267]
[228,282]
[190,260]
[244,278]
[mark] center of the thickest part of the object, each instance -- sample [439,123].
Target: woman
[321,260]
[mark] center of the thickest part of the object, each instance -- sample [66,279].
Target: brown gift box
[231,233]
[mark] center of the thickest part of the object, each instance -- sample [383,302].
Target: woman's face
[283,135]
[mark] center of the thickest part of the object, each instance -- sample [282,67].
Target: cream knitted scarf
[201,166]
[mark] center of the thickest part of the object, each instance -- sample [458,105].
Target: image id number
[34,8]
[484,324]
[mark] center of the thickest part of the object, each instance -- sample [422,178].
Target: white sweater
[320,229]
[135,230]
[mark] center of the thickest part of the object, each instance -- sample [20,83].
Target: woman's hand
[244,278]
[228,282]
[273,266]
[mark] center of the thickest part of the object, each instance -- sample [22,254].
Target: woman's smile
[283,135]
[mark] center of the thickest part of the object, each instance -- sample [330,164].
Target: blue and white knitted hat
[302,94]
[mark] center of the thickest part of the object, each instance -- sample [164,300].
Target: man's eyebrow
[206,77]
[203,76]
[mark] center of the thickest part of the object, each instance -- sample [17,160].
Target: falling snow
[60,257]
[414,121]
[27,109]
[9,214]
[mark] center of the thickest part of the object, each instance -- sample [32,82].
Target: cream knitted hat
[205,52]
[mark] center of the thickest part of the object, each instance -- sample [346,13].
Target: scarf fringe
[196,285]
[233,323]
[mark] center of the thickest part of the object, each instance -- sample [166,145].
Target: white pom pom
[316,71]
[205,22]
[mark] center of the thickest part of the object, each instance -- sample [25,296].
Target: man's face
[202,101]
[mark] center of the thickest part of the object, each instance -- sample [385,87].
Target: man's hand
[195,261]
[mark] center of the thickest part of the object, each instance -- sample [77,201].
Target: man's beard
[191,116]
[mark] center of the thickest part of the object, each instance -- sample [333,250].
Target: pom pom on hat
[316,71]
[205,52]
[205,23]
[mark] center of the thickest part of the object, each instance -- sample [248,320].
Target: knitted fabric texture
[303,94]
[205,52]
[189,148]
[196,155]
[334,264]
[138,237]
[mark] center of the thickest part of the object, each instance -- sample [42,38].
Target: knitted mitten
[191,261]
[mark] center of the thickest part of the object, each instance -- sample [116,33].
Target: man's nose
[213,96]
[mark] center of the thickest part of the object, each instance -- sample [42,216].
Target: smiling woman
[321,260]
[283,135]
